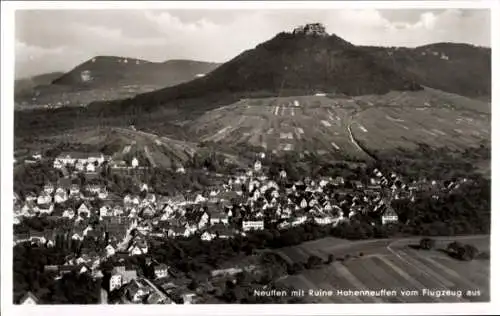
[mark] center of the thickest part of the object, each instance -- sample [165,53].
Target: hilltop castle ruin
[317,29]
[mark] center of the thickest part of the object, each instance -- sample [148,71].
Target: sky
[59,40]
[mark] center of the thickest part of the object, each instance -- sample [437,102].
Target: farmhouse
[161,271]
[248,225]
[389,216]
[71,158]
[29,299]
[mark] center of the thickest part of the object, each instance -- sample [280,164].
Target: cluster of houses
[80,161]
[245,202]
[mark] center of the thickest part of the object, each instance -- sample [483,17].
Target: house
[105,210]
[77,236]
[137,290]
[129,275]
[207,236]
[389,216]
[74,190]
[87,230]
[257,166]
[60,196]
[30,197]
[29,299]
[102,194]
[83,210]
[298,220]
[303,203]
[148,211]
[110,251]
[158,298]
[118,210]
[68,213]
[138,248]
[90,168]
[134,163]
[358,185]
[95,188]
[248,225]
[338,181]
[80,166]
[48,188]
[323,220]
[283,174]
[115,282]
[188,298]
[44,198]
[47,208]
[161,271]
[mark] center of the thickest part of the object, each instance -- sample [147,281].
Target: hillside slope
[26,85]
[348,127]
[458,68]
[288,64]
[110,78]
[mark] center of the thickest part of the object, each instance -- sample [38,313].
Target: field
[311,124]
[340,126]
[126,143]
[434,119]
[390,265]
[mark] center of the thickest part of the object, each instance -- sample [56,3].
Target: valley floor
[389,265]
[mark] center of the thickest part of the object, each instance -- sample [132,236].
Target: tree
[453,248]
[468,253]
[427,243]
[313,261]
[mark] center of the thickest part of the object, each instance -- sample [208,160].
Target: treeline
[30,275]
[32,178]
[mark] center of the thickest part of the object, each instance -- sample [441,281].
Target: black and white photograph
[223,155]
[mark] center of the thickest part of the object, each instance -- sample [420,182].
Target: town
[241,204]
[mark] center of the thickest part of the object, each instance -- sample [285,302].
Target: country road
[104,297]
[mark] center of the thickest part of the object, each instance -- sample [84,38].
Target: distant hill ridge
[458,68]
[113,70]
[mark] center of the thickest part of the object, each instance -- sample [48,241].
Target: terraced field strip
[435,276]
[339,282]
[478,271]
[390,118]
[150,158]
[361,127]
[439,132]
[366,275]
[317,277]
[326,282]
[459,280]
[326,123]
[470,278]
[427,280]
[414,283]
[126,149]
[358,285]
[388,279]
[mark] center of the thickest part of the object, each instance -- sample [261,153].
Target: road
[104,297]
[154,287]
